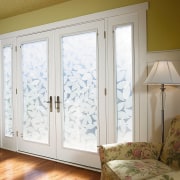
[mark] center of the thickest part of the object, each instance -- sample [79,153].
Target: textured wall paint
[163,17]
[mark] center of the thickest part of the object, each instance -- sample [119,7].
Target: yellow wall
[163,18]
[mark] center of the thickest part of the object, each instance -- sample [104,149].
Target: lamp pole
[163,72]
[162,110]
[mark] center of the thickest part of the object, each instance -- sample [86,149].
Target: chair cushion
[171,150]
[128,151]
[136,169]
[168,176]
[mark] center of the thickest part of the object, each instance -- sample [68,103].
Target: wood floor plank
[16,166]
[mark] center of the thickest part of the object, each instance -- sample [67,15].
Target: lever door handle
[57,104]
[50,104]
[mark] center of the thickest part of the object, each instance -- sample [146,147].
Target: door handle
[50,104]
[57,104]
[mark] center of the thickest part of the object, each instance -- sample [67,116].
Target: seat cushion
[129,150]
[175,175]
[171,150]
[135,169]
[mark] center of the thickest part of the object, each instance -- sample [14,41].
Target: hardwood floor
[16,166]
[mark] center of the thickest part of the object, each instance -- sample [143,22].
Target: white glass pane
[80,91]
[7,92]
[124,56]
[35,91]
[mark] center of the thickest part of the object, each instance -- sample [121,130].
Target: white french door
[61,95]
[70,86]
[80,80]
[36,125]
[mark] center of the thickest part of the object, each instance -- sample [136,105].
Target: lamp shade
[163,72]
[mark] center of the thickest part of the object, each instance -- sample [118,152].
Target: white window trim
[10,142]
[142,7]
[141,89]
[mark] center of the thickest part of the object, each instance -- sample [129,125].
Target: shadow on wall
[172,108]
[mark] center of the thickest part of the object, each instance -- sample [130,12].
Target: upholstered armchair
[143,160]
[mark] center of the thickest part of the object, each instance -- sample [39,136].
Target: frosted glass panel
[80,91]
[35,91]
[124,56]
[7,93]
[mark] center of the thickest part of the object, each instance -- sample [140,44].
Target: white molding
[172,96]
[173,55]
[140,91]
[139,11]
[78,20]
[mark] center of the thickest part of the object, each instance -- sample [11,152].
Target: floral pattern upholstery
[138,169]
[140,160]
[171,150]
[168,176]
[128,151]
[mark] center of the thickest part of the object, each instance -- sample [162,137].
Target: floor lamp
[163,73]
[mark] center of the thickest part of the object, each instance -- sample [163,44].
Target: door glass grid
[35,91]
[124,95]
[80,91]
[7,90]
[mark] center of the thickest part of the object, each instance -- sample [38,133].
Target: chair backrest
[171,149]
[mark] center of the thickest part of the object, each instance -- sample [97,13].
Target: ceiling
[10,8]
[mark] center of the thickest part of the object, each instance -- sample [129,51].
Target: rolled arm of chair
[127,151]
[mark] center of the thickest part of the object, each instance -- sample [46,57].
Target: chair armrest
[127,151]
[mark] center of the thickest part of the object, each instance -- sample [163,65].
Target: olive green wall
[163,17]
